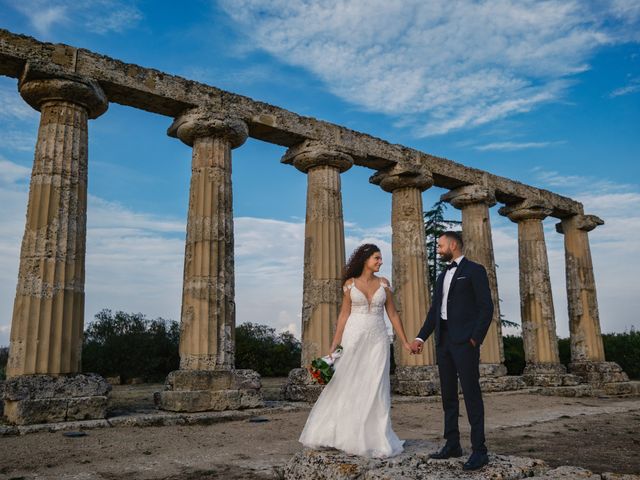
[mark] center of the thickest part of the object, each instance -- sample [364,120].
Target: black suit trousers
[460,361]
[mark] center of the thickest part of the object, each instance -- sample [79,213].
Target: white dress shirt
[448,276]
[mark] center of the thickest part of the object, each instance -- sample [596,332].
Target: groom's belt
[444,324]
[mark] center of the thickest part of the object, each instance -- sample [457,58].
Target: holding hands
[416,346]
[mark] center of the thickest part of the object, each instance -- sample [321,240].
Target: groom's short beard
[446,256]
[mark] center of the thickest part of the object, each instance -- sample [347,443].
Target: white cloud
[438,66]
[99,16]
[13,106]
[512,146]
[632,87]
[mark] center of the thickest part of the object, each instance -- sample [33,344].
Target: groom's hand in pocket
[473,342]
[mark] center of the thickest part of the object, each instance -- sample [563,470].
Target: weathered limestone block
[474,201]
[208,308]
[417,380]
[502,383]
[300,387]
[413,463]
[44,399]
[410,271]
[48,312]
[598,373]
[493,369]
[568,391]
[216,390]
[536,302]
[324,251]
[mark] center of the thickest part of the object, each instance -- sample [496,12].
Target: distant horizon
[552,100]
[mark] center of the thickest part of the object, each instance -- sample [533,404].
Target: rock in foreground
[414,464]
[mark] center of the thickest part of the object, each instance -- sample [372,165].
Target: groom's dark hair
[457,236]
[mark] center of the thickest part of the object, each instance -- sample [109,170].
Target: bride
[353,411]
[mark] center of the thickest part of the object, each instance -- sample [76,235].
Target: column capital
[586,223]
[527,209]
[202,122]
[311,153]
[81,91]
[403,176]
[469,195]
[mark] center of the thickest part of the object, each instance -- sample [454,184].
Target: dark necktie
[452,265]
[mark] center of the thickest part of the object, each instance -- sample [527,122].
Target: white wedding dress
[353,411]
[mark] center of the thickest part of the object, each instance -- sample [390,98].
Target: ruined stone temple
[70,86]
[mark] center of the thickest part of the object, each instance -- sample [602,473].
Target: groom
[460,315]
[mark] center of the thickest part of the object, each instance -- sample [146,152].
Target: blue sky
[547,93]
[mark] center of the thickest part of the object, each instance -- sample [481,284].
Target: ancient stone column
[207,379]
[543,365]
[474,202]
[415,374]
[587,349]
[324,255]
[44,384]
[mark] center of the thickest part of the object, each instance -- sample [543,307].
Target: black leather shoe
[448,451]
[476,461]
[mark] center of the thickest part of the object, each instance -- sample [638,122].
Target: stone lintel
[470,195]
[37,88]
[158,92]
[202,122]
[309,154]
[403,176]
[586,223]
[529,209]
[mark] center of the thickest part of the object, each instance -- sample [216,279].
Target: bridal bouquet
[321,369]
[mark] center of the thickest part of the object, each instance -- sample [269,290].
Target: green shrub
[259,348]
[624,349]
[513,354]
[130,345]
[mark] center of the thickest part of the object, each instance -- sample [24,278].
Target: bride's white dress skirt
[353,411]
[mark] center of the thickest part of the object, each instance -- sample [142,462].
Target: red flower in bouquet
[321,369]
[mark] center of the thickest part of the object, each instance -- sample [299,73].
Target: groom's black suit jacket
[469,305]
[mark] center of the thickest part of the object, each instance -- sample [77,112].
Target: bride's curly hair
[355,265]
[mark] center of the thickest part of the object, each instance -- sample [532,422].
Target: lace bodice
[360,303]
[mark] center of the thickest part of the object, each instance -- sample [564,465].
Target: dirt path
[598,434]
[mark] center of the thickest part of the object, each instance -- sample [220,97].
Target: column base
[215,390]
[548,375]
[419,380]
[32,399]
[492,370]
[598,373]
[301,387]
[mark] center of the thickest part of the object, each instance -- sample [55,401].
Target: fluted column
[474,201]
[208,309]
[324,251]
[48,313]
[410,272]
[587,349]
[536,301]
[207,379]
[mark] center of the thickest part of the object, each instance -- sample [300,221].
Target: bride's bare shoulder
[385,282]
